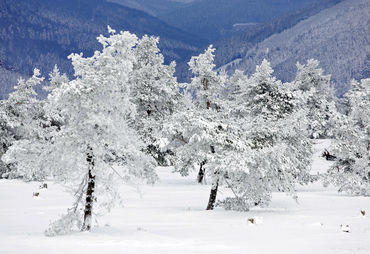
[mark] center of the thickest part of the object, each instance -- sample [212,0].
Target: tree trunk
[212,197]
[205,87]
[201,172]
[89,192]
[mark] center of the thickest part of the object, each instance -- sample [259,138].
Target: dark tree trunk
[328,156]
[205,87]
[212,197]
[158,155]
[201,172]
[89,192]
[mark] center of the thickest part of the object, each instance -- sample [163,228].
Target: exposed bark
[149,110]
[201,172]
[328,156]
[213,194]
[205,87]
[89,192]
[368,148]
[212,197]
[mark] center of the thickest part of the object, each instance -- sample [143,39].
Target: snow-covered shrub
[66,224]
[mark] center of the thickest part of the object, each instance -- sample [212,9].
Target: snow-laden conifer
[319,99]
[278,153]
[201,133]
[154,92]
[56,79]
[22,106]
[22,118]
[351,171]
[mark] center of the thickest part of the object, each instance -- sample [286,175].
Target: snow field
[171,218]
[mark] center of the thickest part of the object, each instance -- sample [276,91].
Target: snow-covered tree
[22,106]
[210,141]
[208,86]
[351,171]
[154,92]
[250,135]
[95,148]
[279,152]
[201,134]
[266,96]
[24,156]
[6,138]
[203,88]
[56,79]
[319,99]
[21,119]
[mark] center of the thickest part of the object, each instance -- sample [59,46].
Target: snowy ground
[170,218]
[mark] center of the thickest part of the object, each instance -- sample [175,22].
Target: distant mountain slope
[338,37]
[41,33]
[213,19]
[7,77]
[154,7]
[245,37]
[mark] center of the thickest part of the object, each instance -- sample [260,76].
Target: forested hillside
[338,37]
[213,19]
[7,77]
[244,37]
[41,33]
[154,7]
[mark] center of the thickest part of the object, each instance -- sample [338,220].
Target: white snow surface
[170,217]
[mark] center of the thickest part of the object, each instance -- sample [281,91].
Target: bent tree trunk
[89,192]
[212,196]
[201,172]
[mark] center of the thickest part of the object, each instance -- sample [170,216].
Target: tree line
[124,113]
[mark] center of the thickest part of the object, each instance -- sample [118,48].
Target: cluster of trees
[123,113]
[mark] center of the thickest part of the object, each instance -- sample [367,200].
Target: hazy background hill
[214,19]
[154,7]
[41,33]
[244,37]
[338,37]
[8,78]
